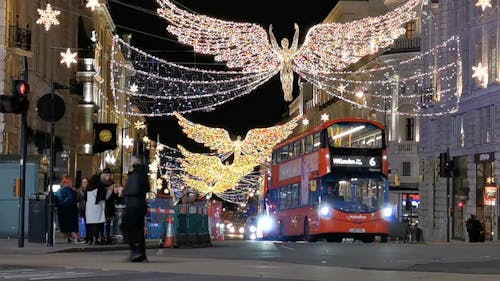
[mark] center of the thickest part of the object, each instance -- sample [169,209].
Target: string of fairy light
[158,87]
[411,88]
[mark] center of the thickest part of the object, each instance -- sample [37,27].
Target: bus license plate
[357,230]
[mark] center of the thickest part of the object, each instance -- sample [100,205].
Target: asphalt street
[261,260]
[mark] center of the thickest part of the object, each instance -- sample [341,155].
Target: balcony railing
[402,45]
[404,147]
[20,38]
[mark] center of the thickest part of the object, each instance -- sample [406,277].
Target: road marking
[31,274]
[288,248]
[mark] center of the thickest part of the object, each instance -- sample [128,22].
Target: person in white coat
[95,199]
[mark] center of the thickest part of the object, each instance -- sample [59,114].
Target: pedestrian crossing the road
[43,274]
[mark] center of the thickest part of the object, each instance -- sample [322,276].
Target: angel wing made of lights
[208,174]
[258,142]
[328,47]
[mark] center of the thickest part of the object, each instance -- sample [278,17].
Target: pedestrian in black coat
[135,209]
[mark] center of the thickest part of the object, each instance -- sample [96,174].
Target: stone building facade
[471,135]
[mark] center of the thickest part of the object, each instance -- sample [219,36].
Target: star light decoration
[484,4]
[325,117]
[134,88]
[128,142]
[481,74]
[249,47]
[48,17]
[68,57]
[92,4]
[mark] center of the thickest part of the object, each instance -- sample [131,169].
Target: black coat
[135,202]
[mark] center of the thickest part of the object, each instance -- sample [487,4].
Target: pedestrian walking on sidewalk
[135,209]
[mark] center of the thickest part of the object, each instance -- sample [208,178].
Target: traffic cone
[169,239]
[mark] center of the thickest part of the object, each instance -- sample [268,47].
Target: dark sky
[261,108]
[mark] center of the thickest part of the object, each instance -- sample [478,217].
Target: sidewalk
[10,246]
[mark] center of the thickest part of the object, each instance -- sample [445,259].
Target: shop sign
[485,157]
[490,195]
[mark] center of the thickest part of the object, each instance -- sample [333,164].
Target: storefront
[486,193]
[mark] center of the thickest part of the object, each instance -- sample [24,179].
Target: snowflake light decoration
[48,17]
[134,88]
[305,121]
[484,4]
[481,73]
[68,57]
[325,117]
[92,4]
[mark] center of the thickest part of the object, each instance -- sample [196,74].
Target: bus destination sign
[372,163]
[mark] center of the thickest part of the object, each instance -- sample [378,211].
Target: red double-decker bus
[329,182]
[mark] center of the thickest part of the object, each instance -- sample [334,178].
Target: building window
[485,124]
[492,58]
[478,53]
[410,129]
[406,169]
[411,30]
[458,130]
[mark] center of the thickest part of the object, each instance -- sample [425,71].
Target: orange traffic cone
[169,239]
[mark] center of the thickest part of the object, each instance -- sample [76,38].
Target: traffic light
[17,102]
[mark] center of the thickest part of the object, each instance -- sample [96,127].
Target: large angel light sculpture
[208,174]
[258,142]
[328,47]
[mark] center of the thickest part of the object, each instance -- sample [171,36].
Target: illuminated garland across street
[151,86]
[375,91]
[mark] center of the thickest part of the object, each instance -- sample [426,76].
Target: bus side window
[297,148]
[317,141]
[308,144]
[294,196]
[313,192]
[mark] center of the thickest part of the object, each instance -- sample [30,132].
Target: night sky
[261,108]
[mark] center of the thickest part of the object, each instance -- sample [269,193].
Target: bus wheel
[334,238]
[383,238]
[367,239]
[307,235]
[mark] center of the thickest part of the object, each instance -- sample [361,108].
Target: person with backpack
[67,210]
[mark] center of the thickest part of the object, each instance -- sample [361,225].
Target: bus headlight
[265,223]
[387,212]
[325,211]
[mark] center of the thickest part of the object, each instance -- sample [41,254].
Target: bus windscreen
[355,135]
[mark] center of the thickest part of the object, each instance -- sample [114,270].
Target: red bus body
[306,173]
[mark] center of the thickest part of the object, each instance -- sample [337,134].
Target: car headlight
[231,229]
[387,212]
[265,223]
[253,228]
[241,230]
[253,236]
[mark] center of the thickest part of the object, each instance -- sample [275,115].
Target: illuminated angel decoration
[209,175]
[258,142]
[328,47]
